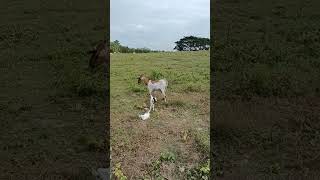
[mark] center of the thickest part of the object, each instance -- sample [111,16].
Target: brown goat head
[143,79]
[100,55]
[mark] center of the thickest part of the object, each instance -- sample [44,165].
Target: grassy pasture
[174,142]
[52,108]
[265,65]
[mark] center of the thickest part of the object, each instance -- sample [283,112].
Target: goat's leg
[164,95]
[151,103]
[153,96]
[152,106]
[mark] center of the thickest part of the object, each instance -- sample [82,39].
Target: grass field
[265,67]
[52,116]
[174,142]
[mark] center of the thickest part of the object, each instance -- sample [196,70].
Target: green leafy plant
[202,172]
[168,156]
[118,172]
[156,75]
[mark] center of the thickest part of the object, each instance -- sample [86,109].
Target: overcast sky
[157,24]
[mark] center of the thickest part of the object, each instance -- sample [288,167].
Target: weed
[168,156]
[156,168]
[118,172]
[202,139]
[274,168]
[165,157]
[202,172]
[156,75]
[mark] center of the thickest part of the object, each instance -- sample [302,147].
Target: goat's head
[142,78]
[99,54]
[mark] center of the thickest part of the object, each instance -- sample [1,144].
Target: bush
[156,75]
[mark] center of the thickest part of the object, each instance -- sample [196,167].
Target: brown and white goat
[159,85]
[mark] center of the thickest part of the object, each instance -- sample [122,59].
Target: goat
[160,85]
[146,115]
[100,55]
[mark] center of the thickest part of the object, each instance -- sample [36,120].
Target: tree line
[116,47]
[187,43]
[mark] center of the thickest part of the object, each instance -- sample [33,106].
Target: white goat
[160,85]
[146,115]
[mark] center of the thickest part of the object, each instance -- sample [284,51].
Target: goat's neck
[146,80]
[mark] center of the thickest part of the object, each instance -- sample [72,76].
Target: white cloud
[157,24]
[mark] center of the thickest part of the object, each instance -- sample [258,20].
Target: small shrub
[156,168]
[168,156]
[202,172]
[156,75]
[118,172]
[275,168]
[156,165]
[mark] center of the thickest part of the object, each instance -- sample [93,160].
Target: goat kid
[160,85]
[146,115]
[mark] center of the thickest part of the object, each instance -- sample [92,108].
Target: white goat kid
[146,115]
[153,86]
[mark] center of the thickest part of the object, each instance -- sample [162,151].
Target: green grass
[267,53]
[161,136]
[265,64]
[49,99]
[203,140]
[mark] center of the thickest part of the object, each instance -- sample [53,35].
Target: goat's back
[164,82]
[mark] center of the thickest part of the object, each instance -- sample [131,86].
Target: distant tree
[115,46]
[142,50]
[192,43]
[124,49]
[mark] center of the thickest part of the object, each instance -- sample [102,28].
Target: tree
[115,46]
[192,43]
